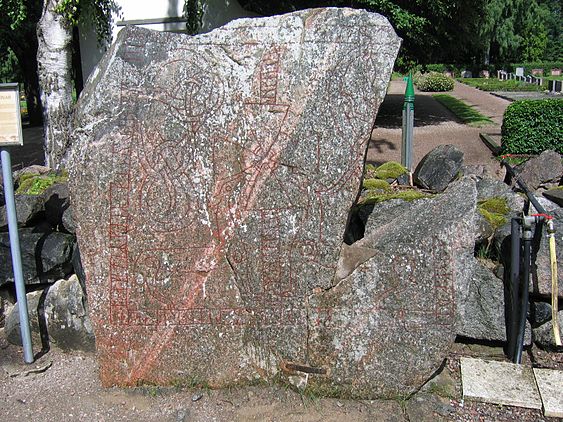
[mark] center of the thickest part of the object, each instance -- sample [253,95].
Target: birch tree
[54,36]
[54,55]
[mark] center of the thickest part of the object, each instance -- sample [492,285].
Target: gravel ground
[65,387]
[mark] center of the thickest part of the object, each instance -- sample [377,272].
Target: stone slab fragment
[555,195]
[550,384]
[500,383]
[387,327]
[212,177]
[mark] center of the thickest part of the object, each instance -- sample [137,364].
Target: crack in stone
[230,57]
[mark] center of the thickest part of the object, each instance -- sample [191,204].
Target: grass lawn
[464,112]
[494,84]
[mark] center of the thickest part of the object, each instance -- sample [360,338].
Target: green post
[408,125]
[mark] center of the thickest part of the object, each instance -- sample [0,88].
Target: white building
[160,15]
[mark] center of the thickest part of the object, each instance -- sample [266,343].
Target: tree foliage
[193,12]
[456,31]
[97,13]
[17,34]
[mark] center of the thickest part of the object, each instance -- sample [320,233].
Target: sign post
[11,134]
[408,127]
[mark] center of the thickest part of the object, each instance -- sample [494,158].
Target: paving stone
[550,384]
[500,383]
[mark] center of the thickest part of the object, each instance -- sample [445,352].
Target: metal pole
[513,315]
[16,255]
[408,125]
[524,288]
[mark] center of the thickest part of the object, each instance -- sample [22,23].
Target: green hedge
[434,82]
[456,69]
[493,84]
[533,126]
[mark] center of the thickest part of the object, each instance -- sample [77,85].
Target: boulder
[544,168]
[211,178]
[57,315]
[29,209]
[68,221]
[540,313]
[46,257]
[57,201]
[555,195]
[34,170]
[487,189]
[541,275]
[543,335]
[387,326]
[35,302]
[69,326]
[77,266]
[482,315]
[439,167]
[540,280]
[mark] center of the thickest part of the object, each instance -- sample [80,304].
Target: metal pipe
[524,291]
[16,255]
[515,249]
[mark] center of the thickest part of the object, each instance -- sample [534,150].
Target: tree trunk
[54,53]
[27,59]
[31,87]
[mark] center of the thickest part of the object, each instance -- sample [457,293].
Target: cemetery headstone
[466,74]
[519,71]
[537,72]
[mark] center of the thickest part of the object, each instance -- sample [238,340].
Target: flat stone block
[550,384]
[500,383]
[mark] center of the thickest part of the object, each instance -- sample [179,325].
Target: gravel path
[436,125]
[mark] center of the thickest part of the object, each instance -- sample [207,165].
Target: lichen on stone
[388,170]
[495,210]
[373,184]
[34,184]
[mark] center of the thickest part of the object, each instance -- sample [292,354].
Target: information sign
[10,118]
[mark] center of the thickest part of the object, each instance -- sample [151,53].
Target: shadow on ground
[427,111]
[32,150]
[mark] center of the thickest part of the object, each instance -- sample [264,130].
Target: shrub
[435,82]
[533,126]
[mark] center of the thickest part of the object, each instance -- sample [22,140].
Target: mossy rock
[36,184]
[375,184]
[495,210]
[389,170]
[408,196]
